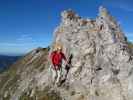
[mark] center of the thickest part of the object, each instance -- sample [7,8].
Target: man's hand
[66,62]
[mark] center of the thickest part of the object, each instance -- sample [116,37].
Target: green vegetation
[10,77]
[46,94]
[130,45]
[24,96]
[9,82]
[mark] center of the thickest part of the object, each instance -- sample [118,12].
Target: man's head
[58,47]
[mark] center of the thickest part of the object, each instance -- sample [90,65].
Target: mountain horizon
[100,68]
[27,24]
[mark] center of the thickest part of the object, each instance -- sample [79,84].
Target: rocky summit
[101,63]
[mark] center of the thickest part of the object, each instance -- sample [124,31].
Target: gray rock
[101,66]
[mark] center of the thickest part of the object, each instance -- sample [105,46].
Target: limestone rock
[100,62]
[101,66]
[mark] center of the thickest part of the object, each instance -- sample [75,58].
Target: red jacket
[57,57]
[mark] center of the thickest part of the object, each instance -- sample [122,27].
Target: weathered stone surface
[101,67]
[100,63]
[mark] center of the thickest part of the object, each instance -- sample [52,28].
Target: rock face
[101,66]
[101,58]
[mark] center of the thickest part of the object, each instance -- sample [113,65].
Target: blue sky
[28,24]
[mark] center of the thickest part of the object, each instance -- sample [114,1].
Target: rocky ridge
[101,66]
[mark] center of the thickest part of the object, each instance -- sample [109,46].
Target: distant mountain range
[6,61]
[100,64]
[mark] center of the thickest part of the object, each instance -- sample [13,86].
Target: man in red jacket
[57,57]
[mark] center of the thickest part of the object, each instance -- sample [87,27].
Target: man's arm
[50,57]
[64,57]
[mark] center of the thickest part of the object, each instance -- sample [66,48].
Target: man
[57,56]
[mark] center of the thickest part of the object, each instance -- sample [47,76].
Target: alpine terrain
[101,64]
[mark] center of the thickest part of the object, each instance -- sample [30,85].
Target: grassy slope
[10,77]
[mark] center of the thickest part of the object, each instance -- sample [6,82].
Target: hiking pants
[56,74]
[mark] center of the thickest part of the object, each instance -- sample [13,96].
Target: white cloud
[8,44]
[25,38]
[126,5]
[22,40]
[24,43]
[16,44]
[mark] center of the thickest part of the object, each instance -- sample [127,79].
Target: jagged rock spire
[101,67]
[69,14]
[103,12]
[100,63]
